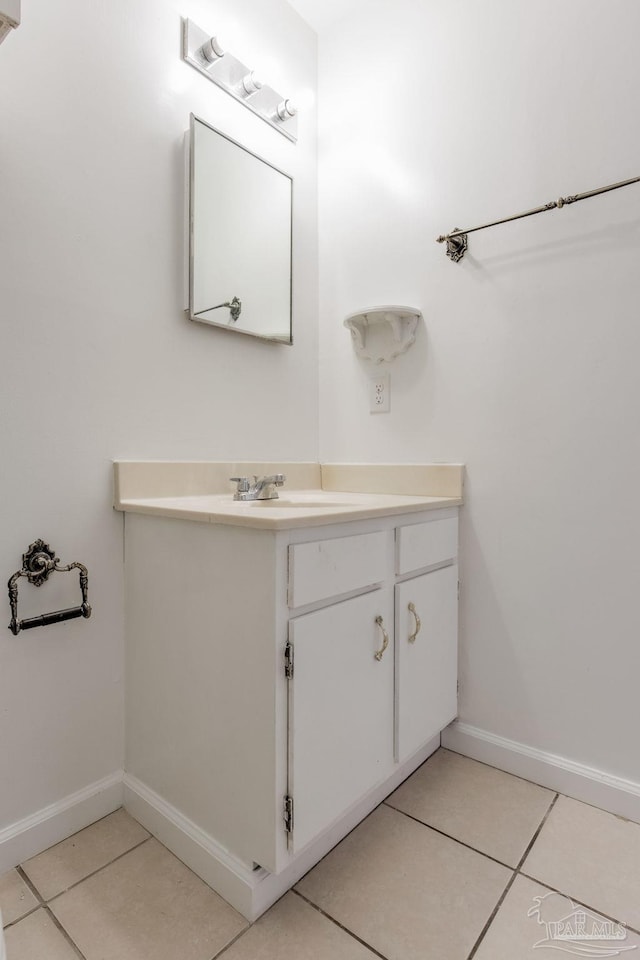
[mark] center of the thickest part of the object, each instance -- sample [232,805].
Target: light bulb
[251,83]
[212,50]
[286,110]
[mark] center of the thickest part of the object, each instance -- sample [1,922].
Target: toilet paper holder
[38,563]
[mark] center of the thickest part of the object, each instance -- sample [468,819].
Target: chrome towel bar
[457,240]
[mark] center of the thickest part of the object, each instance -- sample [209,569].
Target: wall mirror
[240,211]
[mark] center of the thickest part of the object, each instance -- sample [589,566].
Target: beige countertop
[323,494]
[296,508]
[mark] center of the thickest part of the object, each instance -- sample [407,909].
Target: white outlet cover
[380,393]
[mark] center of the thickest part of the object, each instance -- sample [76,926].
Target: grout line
[340,926]
[250,924]
[340,842]
[42,905]
[468,846]
[547,886]
[494,912]
[537,833]
[26,880]
[64,933]
[40,902]
[24,916]
[235,939]
[516,873]
[31,885]
[94,872]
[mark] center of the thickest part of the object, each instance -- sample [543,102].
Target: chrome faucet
[262,488]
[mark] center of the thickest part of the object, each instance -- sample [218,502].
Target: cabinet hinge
[288,661]
[288,814]
[458,589]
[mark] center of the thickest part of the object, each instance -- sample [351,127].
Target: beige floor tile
[490,810]
[61,866]
[405,890]
[15,897]
[292,930]
[37,938]
[523,928]
[147,905]
[592,856]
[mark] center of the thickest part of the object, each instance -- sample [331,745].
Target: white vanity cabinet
[277,687]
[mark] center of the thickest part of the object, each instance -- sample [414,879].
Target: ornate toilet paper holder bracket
[38,563]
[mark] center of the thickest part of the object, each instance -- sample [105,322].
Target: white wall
[442,114]
[98,361]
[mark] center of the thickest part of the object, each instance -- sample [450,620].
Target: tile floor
[462,861]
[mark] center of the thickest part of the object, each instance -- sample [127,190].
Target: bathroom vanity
[289,662]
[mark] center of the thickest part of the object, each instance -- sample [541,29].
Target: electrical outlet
[379,393]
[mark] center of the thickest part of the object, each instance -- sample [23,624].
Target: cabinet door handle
[385,639]
[412,637]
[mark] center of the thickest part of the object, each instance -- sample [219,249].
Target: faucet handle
[243,484]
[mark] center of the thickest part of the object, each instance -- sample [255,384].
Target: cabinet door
[426,661]
[340,709]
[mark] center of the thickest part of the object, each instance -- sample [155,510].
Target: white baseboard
[60,820]
[231,878]
[251,892]
[600,789]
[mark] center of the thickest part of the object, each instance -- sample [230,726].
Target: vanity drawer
[329,568]
[424,544]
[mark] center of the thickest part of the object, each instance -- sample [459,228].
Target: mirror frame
[190,312]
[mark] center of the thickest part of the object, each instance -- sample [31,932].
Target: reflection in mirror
[239,238]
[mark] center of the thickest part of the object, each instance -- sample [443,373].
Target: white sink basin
[310,500]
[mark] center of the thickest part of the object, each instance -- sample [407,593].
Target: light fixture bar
[207,55]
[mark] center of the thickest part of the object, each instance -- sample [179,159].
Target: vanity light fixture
[204,52]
